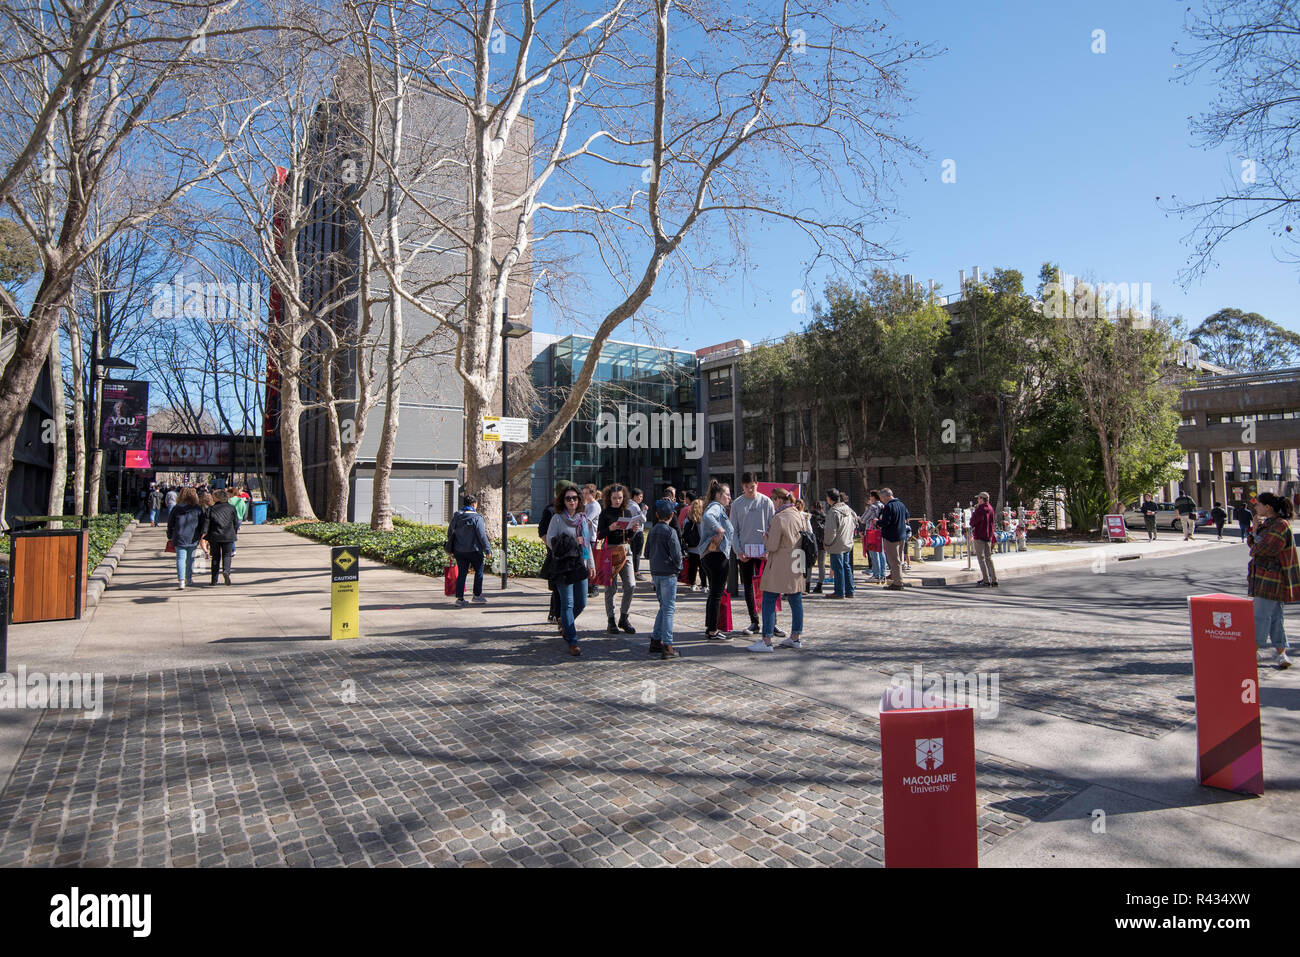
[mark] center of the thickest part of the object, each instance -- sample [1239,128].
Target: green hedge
[417,547]
[104,531]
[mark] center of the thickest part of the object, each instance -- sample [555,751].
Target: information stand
[1229,750]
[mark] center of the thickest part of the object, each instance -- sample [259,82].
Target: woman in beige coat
[783,572]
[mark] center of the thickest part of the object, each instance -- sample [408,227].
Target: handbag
[724,612]
[449,579]
[874,540]
[604,573]
[758,585]
[170,547]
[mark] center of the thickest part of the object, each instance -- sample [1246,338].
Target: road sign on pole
[497,428]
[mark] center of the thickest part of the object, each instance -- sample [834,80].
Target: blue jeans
[666,592]
[842,574]
[877,560]
[796,612]
[1268,623]
[185,562]
[573,598]
[153,516]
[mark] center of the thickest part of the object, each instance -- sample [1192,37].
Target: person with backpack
[840,523]
[155,503]
[571,539]
[1273,575]
[467,540]
[1244,517]
[717,540]
[1219,516]
[817,523]
[221,530]
[665,566]
[782,571]
[1186,515]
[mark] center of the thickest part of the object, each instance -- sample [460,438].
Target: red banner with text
[1229,749]
[928,767]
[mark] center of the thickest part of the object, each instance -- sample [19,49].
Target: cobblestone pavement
[475,753]
[1063,649]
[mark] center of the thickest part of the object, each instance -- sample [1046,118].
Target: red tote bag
[873,540]
[758,585]
[724,612]
[449,579]
[604,566]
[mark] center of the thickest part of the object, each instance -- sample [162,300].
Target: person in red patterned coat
[1274,573]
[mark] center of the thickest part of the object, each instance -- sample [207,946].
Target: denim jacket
[715,517]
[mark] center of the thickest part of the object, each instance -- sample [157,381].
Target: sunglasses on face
[570,498]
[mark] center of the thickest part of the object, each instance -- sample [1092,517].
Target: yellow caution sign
[345,592]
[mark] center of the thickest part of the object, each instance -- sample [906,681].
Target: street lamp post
[509,330]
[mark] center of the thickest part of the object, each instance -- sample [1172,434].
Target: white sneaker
[791,643]
[759,646]
[1283,662]
[182,585]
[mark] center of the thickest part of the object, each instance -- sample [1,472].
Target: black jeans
[222,553]
[464,562]
[714,568]
[637,546]
[693,569]
[747,570]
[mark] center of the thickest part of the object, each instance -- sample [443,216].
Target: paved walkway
[234,732]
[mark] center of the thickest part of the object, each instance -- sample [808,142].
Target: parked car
[1166,516]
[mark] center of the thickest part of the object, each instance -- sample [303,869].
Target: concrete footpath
[1094,716]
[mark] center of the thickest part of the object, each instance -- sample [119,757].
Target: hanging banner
[345,594]
[766,488]
[139,459]
[189,452]
[928,770]
[125,408]
[1225,676]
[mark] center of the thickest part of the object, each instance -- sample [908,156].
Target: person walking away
[222,529]
[690,541]
[982,522]
[782,573]
[1219,515]
[1186,515]
[543,524]
[617,508]
[1273,575]
[717,542]
[203,557]
[155,503]
[665,556]
[184,531]
[1150,512]
[638,539]
[467,535]
[894,532]
[1243,516]
[750,515]
[840,522]
[170,500]
[571,539]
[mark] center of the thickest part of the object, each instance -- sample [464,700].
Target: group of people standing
[769,542]
[201,521]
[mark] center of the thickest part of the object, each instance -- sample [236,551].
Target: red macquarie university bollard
[1225,676]
[928,771]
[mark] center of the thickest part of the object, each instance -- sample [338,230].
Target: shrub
[417,547]
[104,531]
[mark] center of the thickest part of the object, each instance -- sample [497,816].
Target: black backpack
[809,546]
[690,534]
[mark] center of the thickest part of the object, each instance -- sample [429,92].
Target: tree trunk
[59,475]
[296,499]
[77,359]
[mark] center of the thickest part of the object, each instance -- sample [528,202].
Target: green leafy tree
[1245,341]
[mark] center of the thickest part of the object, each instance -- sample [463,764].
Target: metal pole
[1002,456]
[4,616]
[505,500]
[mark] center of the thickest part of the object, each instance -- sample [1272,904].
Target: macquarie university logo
[1222,619]
[929,753]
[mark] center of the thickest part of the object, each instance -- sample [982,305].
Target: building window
[720,383]
[720,437]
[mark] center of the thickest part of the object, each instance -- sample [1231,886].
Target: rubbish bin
[47,567]
[258,513]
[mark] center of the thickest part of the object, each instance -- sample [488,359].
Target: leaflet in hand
[623,524]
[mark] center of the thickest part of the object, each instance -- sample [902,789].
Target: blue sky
[1060,153]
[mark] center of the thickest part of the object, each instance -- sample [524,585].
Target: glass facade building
[634,385]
